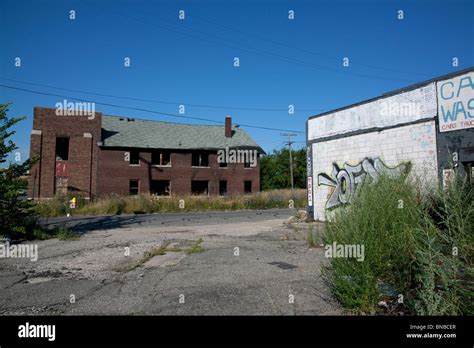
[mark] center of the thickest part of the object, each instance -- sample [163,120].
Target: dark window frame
[132,158]
[246,190]
[200,163]
[130,187]
[162,155]
[199,192]
[157,192]
[222,192]
[64,153]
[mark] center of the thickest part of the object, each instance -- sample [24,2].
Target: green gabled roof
[133,132]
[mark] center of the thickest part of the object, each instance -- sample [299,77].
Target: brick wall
[83,133]
[116,172]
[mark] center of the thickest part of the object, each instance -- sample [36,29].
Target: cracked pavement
[273,263]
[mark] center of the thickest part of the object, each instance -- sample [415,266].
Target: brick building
[101,155]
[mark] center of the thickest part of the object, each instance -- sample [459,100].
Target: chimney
[228,126]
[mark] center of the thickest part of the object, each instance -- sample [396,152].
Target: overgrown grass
[160,250]
[39,232]
[163,249]
[63,233]
[314,236]
[59,206]
[196,248]
[409,239]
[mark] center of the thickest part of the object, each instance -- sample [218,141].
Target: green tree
[17,219]
[275,169]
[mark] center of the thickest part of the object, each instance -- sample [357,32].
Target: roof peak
[159,121]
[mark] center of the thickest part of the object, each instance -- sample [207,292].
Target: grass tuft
[165,248]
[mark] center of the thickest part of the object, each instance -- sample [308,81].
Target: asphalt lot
[252,264]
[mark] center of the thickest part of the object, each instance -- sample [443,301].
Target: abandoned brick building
[104,155]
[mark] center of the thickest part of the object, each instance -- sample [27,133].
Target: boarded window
[134,187]
[160,158]
[160,187]
[247,186]
[62,149]
[134,157]
[60,185]
[200,159]
[223,187]
[199,187]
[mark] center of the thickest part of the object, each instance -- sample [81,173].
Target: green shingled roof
[129,132]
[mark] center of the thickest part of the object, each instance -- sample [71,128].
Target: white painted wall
[412,105]
[415,143]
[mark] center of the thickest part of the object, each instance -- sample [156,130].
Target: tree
[17,219]
[275,169]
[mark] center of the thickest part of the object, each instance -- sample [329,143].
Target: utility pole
[289,135]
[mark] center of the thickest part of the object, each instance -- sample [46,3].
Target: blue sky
[282,61]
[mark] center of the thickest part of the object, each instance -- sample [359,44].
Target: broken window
[200,159]
[199,187]
[247,186]
[62,149]
[223,187]
[134,187]
[160,158]
[134,157]
[160,187]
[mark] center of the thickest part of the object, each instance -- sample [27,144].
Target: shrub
[408,240]
[17,220]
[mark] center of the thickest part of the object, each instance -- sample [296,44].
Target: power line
[277,56]
[154,100]
[143,110]
[262,38]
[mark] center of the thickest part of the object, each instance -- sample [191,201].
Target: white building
[429,125]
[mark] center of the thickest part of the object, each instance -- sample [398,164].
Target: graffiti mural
[347,181]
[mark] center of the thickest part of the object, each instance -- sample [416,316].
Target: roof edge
[243,147]
[396,91]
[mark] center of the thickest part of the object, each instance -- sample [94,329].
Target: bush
[408,242]
[17,220]
[445,253]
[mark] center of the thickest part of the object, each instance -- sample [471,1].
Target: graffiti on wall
[346,181]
